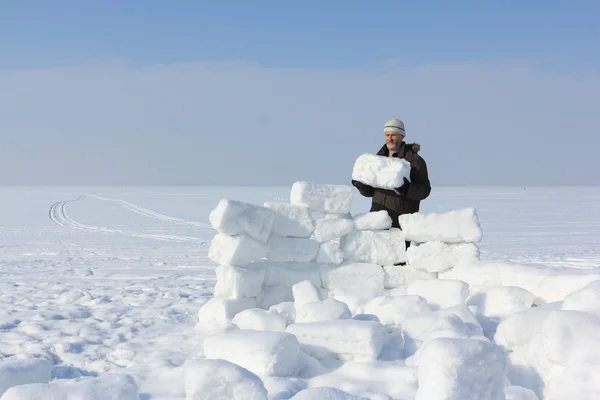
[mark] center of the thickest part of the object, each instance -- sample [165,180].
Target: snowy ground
[110,279]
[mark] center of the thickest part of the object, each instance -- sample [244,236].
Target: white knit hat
[394,125]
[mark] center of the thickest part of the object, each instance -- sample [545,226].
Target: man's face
[393,140]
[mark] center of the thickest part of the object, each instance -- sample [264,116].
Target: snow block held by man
[381,172]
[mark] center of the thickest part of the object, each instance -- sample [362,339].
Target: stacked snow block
[263,252]
[442,240]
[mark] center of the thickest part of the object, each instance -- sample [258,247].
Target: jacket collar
[384,151]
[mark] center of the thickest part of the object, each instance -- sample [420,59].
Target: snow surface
[107,288]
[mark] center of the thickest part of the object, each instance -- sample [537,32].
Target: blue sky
[307,34]
[270,92]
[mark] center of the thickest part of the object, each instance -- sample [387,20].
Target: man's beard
[393,147]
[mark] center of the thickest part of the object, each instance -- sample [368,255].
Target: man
[407,198]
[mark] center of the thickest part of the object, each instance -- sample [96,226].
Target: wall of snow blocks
[264,251]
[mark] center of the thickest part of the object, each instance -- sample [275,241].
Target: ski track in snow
[59,216]
[149,213]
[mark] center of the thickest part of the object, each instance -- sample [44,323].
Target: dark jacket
[418,189]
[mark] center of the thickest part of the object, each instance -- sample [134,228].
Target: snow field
[352,333]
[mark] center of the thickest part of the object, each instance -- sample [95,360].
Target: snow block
[351,274]
[286,310]
[566,339]
[288,249]
[521,393]
[395,276]
[372,221]
[330,253]
[448,326]
[546,284]
[455,226]
[325,393]
[500,302]
[332,228]
[574,382]
[344,339]
[322,198]
[570,337]
[326,310]
[393,310]
[15,372]
[220,311]
[260,320]
[378,247]
[263,353]
[291,220]
[519,328]
[458,369]
[381,172]
[284,388]
[304,292]
[585,299]
[237,282]
[221,379]
[235,250]
[289,273]
[419,326]
[439,256]
[110,386]
[233,218]
[440,293]
[274,294]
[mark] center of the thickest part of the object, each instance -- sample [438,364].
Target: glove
[403,190]
[365,190]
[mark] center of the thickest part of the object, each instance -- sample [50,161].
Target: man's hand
[363,189]
[403,190]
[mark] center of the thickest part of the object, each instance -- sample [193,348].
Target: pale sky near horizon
[228,93]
